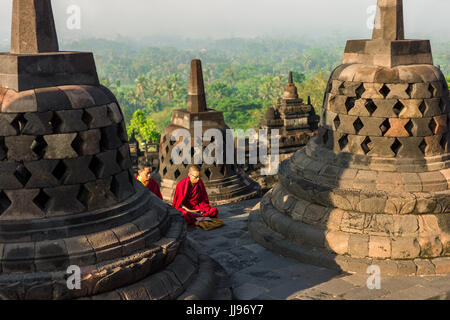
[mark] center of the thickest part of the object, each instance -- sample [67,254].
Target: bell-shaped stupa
[225,181]
[74,223]
[296,123]
[373,188]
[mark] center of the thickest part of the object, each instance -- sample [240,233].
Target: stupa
[373,188]
[68,199]
[225,182]
[296,123]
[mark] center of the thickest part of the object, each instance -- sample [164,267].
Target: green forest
[242,76]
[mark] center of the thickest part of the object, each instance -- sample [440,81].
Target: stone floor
[258,274]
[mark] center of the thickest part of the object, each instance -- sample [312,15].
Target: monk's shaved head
[193,169]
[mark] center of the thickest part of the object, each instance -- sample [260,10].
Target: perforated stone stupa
[373,188]
[224,182]
[67,195]
[296,123]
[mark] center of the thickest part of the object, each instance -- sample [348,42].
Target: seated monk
[145,177]
[191,198]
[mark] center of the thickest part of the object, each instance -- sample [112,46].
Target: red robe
[153,187]
[193,197]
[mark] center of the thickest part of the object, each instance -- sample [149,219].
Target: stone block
[123,157]
[338,242]
[425,268]
[110,138]
[114,112]
[59,146]
[51,256]
[38,123]
[42,173]
[98,94]
[23,205]
[379,247]
[63,201]
[97,194]
[77,170]
[8,179]
[405,248]
[406,268]
[79,98]
[80,251]
[14,102]
[97,117]
[412,109]
[358,245]
[51,98]
[104,164]
[7,127]
[398,91]
[17,256]
[67,121]
[421,91]
[105,245]
[87,142]
[430,246]
[20,148]
[442,265]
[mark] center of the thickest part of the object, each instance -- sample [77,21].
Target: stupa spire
[290,91]
[389,20]
[196,93]
[33,27]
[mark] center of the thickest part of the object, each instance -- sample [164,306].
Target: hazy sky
[234,18]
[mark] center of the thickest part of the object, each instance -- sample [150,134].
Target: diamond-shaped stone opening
[208,173]
[385,126]
[19,122]
[370,106]
[325,137]
[167,150]
[121,159]
[360,91]
[176,174]
[222,170]
[337,122]
[385,91]
[22,174]
[185,163]
[423,146]
[409,90]
[171,162]
[56,122]
[164,139]
[3,148]
[41,200]
[115,187]
[87,118]
[367,145]
[358,125]
[398,107]
[77,145]
[442,105]
[96,166]
[433,126]
[409,126]
[396,146]
[422,108]
[444,142]
[162,159]
[164,171]
[60,170]
[4,202]
[343,141]
[84,195]
[39,146]
[432,90]
[192,152]
[350,103]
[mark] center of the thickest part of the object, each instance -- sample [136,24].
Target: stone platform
[258,274]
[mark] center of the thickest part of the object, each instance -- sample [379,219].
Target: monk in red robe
[191,198]
[145,177]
